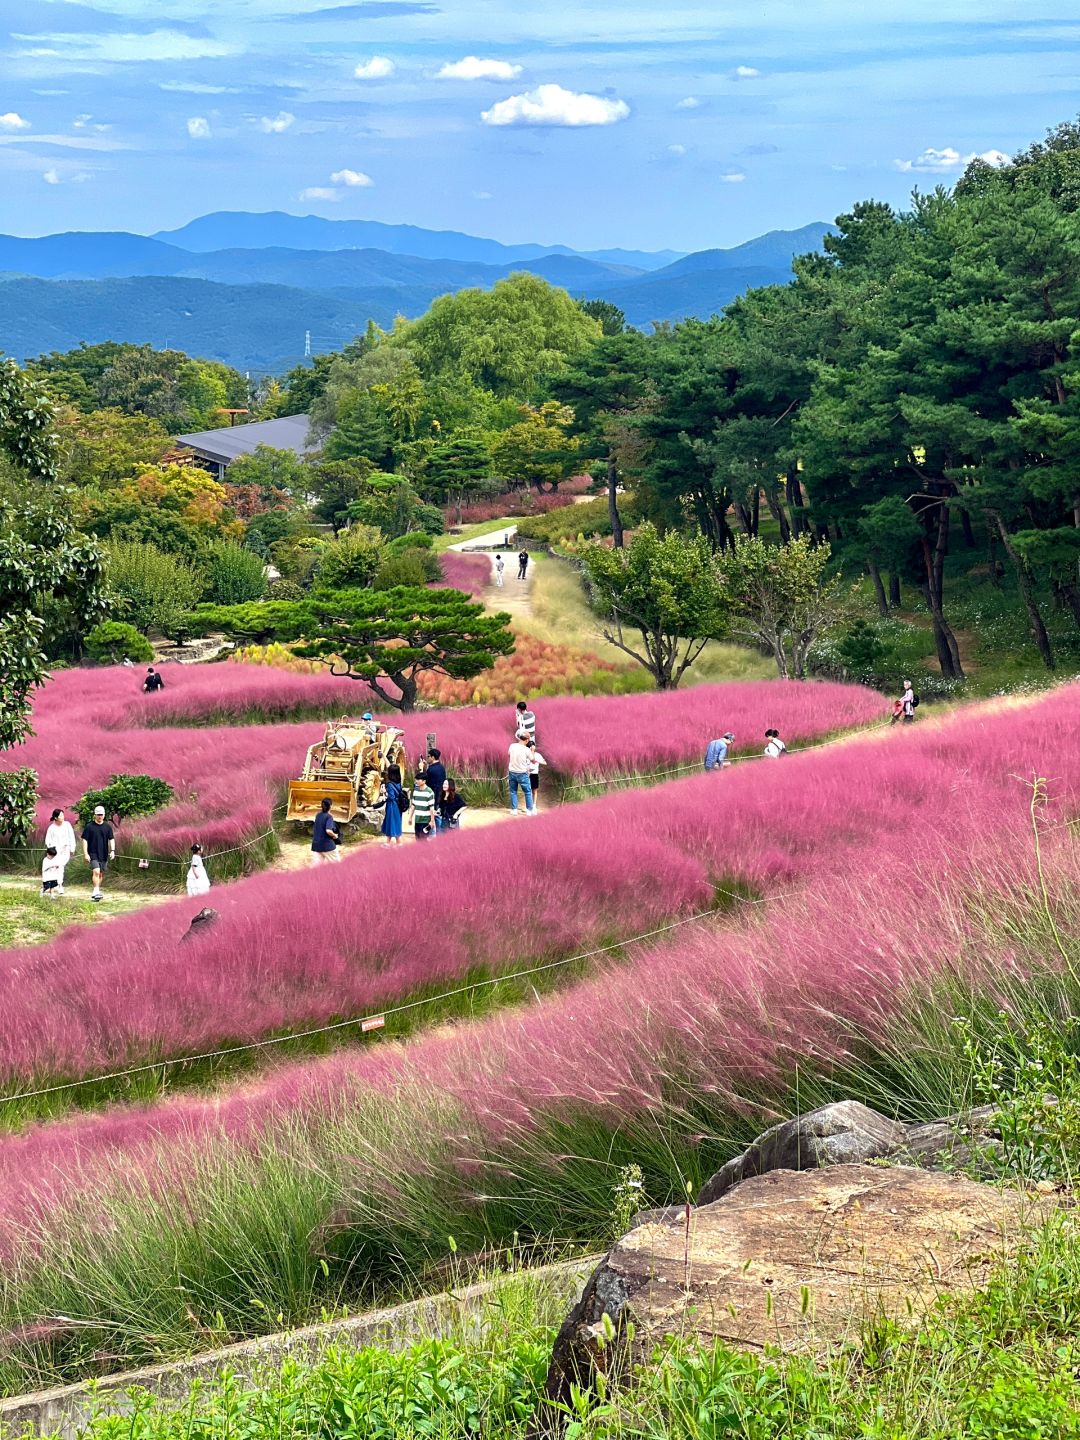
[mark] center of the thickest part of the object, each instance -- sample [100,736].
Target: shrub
[126,796]
[18,803]
[234,574]
[152,590]
[403,569]
[351,561]
[113,640]
[592,518]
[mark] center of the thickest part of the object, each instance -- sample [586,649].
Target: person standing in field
[52,873]
[523,562]
[435,773]
[500,569]
[774,746]
[61,837]
[99,848]
[324,839]
[525,721]
[152,682]
[198,881]
[717,752]
[423,804]
[535,761]
[451,805]
[908,703]
[394,802]
[518,774]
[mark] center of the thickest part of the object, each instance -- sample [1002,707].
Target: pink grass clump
[460,571]
[869,851]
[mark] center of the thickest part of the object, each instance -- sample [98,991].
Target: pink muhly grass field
[880,861]
[91,1000]
[470,573]
[91,724]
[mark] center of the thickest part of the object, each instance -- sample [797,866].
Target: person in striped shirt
[525,721]
[423,804]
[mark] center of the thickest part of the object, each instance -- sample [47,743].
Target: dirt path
[514,595]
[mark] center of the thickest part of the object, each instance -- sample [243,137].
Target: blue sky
[596,123]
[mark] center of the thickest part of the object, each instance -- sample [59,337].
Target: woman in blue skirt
[392,801]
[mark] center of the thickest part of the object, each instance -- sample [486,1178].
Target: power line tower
[307,344]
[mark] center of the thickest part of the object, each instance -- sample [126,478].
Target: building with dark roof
[217,449]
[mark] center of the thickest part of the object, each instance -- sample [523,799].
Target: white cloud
[691,102]
[82,122]
[51,177]
[482,195]
[731,177]
[159,46]
[198,127]
[320,192]
[473,68]
[11,121]
[195,87]
[949,159]
[552,105]
[353,179]
[377,68]
[276,124]
[676,149]
[745,72]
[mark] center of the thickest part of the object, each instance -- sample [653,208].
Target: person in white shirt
[51,873]
[198,882]
[500,569]
[535,761]
[61,837]
[907,701]
[520,760]
[774,746]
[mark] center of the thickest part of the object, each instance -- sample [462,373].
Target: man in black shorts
[99,847]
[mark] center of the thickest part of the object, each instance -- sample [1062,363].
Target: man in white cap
[99,847]
[716,754]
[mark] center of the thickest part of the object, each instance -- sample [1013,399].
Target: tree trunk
[777,511]
[1068,597]
[934,559]
[743,517]
[879,588]
[795,500]
[1027,592]
[965,525]
[755,511]
[896,598]
[613,502]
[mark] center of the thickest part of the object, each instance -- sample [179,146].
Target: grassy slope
[27,918]
[1005,1364]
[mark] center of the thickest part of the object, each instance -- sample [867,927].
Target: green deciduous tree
[148,588]
[385,638]
[234,574]
[779,597]
[351,560]
[539,449]
[663,587]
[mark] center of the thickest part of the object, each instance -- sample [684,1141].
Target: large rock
[847,1133]
[788,1259]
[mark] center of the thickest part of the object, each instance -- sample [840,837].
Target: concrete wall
[67,1410]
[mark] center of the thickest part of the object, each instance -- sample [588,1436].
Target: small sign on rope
[376,1022]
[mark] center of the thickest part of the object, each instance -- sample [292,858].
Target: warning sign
[375,1023]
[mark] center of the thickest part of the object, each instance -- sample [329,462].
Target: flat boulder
[788,1259]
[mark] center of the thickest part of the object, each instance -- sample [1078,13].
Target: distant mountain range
[246,289]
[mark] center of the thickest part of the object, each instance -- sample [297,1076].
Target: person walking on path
[394,802]
[500,570]
[774,746]
[52,873]
[518,775]
[152,682]
[451,805]
[717,752]
[423,804]
[324,840]
[525,721]
[99,847]
[523,562]
[535,761]
[908,701]
[435,773]
[61,837]
[198,881]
